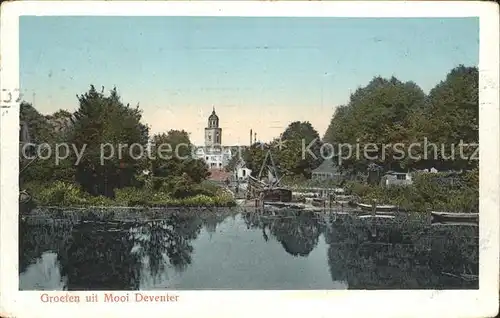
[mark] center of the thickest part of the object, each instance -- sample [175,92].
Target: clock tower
[213,134]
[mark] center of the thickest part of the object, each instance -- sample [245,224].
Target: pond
[232,249]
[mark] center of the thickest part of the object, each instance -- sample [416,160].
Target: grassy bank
[438,192]
[180,195]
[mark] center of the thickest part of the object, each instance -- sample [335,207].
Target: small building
[392,178]
[242,173]
[327,170]
[431,170]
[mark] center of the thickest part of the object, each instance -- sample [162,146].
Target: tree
[39,130]
[452,115]
[254,157]
[377,114]
[233,163]
[298,149]
[104,123]
[172,157]
[388,112]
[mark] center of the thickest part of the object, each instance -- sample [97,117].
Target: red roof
[219,175]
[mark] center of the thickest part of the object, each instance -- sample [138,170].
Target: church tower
[213,134]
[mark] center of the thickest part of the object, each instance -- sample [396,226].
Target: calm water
[231,250]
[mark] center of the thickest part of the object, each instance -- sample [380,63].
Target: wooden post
[374,207]
[374,229]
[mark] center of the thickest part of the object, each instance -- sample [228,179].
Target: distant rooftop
[327,166]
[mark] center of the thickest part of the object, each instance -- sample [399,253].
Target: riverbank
[429,191]
[121,214]
[64,194]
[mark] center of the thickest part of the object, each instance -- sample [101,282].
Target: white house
[242,173]
[396,179]
[215,158]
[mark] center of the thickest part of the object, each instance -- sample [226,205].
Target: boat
[269,190]
[376,216]
[343,199]
[446,223]
[384,208]
[318,201]
[438,217]
[287,205]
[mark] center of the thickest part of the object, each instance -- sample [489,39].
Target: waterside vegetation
[384,112]
[387,112]
[119,180]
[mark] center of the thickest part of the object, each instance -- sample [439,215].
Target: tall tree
[104,120]
[452,115]
[39,137]
[377,114]
[173,157]
[298,149]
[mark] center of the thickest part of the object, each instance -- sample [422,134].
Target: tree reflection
[398,255]
[214,218]
[455,253]
[37,236]
[98,257]
[298,234]
[166,240]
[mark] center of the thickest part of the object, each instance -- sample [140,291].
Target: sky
[258,73]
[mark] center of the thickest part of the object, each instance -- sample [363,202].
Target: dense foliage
[296,152]
[109,158]
[395,119]
[387,112]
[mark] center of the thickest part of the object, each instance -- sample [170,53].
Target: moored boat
[385,207]
[381,216]
[454,217]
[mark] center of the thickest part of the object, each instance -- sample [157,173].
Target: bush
[61,193]
[438,191]
[179,191]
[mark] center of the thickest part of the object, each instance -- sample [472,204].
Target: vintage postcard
[249,158]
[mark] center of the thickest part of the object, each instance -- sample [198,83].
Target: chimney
[250,137]
[255,137]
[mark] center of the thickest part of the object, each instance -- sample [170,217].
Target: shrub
[61,193]
[438,191]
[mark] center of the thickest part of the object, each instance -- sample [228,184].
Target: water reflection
[298,234]
[98,257]
[230,250]
[156,242]
[401,255]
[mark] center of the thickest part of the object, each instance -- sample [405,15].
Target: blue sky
[259,73]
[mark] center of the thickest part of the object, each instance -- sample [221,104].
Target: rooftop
[327,166]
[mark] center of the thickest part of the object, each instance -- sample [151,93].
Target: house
[431,170]
[392,178]
[214,157]
[241,172]
[327,170]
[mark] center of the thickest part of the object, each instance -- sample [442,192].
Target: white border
[464,303]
